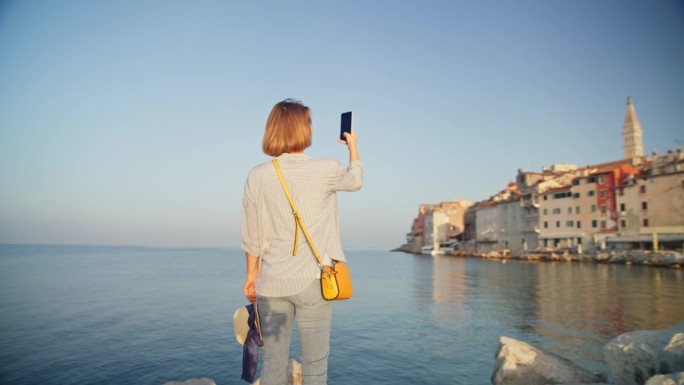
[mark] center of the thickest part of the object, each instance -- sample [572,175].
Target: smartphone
[345,124]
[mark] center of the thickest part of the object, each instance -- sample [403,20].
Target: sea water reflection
[569,308]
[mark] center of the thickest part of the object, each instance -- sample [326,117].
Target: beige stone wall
[586,212]
[556,218]
[513,227]
[652,204]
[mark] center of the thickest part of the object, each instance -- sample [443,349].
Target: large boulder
[632,358]
[519,363]
[669,379]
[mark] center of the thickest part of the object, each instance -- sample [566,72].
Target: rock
[519,363]
[193,381]
[618,258]
[588,383]
[634,357]
[672,357]
[670,379]
[294,373]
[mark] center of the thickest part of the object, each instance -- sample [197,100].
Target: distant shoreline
[668,259]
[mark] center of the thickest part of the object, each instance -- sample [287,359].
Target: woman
[285,283]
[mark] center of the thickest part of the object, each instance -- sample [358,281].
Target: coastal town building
[416,238]
[469,238]
[496,224]
[595,207]
[632,203]
[437,227]
[651,204]
[530,186]
[488,224]
[512,226]
[557,220]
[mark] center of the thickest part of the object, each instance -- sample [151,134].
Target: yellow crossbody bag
[335,280]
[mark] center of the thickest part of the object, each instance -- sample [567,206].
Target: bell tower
[631,133]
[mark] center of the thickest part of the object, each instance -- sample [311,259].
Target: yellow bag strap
[298,219]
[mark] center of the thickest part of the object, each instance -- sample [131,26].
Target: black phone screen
[345,124]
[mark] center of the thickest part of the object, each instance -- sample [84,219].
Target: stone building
[595,205]
[488,223]
[530,185]
[415,239]
[652,202]
[557,223]
[512,225]
[437,225]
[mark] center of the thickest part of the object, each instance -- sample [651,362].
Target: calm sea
[129,315]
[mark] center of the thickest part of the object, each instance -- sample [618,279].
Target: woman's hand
[350,141]
[248,290]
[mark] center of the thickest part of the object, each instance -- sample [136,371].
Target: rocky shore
[669,259]
[645,357]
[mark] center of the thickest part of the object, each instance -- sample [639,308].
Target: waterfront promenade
[669,259]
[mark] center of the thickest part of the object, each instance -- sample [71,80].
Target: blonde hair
[288,128]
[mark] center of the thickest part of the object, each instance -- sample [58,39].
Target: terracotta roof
[557,189]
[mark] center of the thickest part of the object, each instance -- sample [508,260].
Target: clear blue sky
[136,122]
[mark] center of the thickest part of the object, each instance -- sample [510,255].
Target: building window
[576,195]
[561,195]
[642,189]
[591,180]
[621,191]
[546,225]
[556,211]
[569,210]
[594,223]
[601,179]
[579,240]
[645,222]
[545,197]
[623,223]
[644,205]
[557,224]
[602,194]
[622,207]
[569,223]
[593,208]
[592,193]
[579,224]
[544,211]
[603,224]
[603,209]
[577,210]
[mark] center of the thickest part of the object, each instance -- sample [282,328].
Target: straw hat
[240,324]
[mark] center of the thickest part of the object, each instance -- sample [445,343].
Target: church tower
[631,133]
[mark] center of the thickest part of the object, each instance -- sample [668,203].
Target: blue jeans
[314,317]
